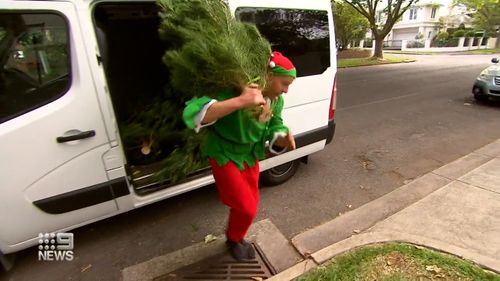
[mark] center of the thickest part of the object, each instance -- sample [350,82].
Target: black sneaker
[249,248]
[237,250]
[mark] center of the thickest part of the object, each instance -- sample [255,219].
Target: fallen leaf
[407,181]
[86,268]
[210,238]
[433,268]
[349,206]
[356,231]
[389,262]
[340,213]
[362,187]
[419,247]
[467,104]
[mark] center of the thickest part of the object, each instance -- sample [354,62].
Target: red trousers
[240,191]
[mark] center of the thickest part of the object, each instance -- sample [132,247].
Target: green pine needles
[212,51]
[208,51]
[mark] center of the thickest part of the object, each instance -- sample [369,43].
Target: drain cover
[223,267]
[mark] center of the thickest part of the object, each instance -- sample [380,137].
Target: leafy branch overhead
[393,11]
[349,24]
[486,14]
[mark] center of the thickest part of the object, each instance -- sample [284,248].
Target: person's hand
[288,141]
[251,96]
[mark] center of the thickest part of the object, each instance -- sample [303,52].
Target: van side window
[34,62]
[302,35]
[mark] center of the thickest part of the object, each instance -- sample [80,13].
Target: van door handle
[77,136]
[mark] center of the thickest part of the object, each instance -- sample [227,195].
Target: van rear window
[302,35]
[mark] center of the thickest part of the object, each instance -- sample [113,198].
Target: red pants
[240,191]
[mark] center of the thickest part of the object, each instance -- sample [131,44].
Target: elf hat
[281,65]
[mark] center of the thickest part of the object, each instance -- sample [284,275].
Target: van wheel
[279,174]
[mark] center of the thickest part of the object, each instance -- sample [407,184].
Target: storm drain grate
[223,267]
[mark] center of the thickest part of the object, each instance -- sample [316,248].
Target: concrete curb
[393,236]
[375,211]
[294,271]
[338,233]
[367,215]
[278,251]
[162,265]
[324,242]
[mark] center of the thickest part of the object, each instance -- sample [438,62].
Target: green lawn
[484,51]
[471,52]
[398,262]
[369,61]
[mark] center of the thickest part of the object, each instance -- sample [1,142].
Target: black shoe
[237,250]
[249,248]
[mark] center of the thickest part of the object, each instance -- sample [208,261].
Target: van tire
[279,174]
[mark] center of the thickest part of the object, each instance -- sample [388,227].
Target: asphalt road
[394,123]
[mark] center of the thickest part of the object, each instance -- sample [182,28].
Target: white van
[69,72]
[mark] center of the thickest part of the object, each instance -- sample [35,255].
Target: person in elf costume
[237,141]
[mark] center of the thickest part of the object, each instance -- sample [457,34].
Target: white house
[422,20]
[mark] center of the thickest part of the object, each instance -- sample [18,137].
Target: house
[424,20]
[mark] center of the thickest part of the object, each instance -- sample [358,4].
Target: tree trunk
[377,53]
[497,44]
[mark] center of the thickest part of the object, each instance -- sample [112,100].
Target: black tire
[279,174]
[480,98]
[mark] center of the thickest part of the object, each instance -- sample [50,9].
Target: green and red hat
[281,65]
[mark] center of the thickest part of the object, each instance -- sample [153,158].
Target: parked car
[487,84]
[69,73]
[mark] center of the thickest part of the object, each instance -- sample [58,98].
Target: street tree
[349,24]
[393,11]
[486,15]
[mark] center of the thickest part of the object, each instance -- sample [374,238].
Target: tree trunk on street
[497,44]
[378,53]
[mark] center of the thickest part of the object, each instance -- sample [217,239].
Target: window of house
[302,35]
[34,61]
[433,13]
[429,35]
[413,13]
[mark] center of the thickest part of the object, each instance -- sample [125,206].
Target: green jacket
[237,137]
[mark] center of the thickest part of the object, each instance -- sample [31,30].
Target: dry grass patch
[398,262]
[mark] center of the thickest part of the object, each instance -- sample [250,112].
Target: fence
[449,45]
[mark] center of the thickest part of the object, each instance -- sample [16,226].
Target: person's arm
[204,111]
[250,96]
[280,137]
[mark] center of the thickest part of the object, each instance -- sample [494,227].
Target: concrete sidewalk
[459,213]
[454,209]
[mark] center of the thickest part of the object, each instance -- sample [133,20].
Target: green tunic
[237,137]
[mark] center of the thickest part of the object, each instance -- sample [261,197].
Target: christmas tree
[209,51]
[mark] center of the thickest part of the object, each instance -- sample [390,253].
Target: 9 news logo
[55,246]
